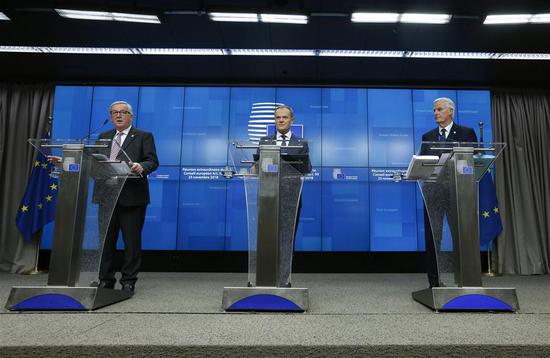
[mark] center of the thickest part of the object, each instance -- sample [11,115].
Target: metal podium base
[62,298]
[265,299]
[468,298]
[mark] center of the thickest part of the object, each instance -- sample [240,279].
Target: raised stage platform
[179,314]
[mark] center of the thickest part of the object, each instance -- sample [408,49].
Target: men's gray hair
[284,106]
[449,102]
[122,102]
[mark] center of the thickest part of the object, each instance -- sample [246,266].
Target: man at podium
[446,131]
[129,212]
[298,152]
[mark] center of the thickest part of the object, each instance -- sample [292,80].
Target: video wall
[358,137]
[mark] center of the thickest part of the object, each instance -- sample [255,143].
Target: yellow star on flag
[44,165]
[49,198]
[485,214]
[495,210]
[53,186]
[40,206]
[37,163]
[24,209]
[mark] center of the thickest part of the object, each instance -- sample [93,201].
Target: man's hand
[54,159]
[136,168]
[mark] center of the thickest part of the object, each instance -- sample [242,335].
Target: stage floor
[349,314]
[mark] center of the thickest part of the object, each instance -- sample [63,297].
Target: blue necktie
[283,143]
[442,135]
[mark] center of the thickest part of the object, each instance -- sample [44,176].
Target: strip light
[183,51]
[425,18]
[375,17]
[271,52]
[233,16]
[284,19]
[3,17]
[455,55]
[507,19]
[107,16]
[517,19]
[359,53]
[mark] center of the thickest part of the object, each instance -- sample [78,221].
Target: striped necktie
[115,148]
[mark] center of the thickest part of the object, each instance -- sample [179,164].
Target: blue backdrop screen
[357,137]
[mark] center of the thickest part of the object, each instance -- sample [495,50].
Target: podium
[273,180]
[81,224]
[448,175]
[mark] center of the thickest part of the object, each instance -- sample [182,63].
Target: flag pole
[490,271]
[38,241]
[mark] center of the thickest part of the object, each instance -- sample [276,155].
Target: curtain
[25,110]
[521,118]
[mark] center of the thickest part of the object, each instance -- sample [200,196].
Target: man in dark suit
[446,131]
[290,184]
[129,211]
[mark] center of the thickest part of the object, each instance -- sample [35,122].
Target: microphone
[97,129]
[481,131]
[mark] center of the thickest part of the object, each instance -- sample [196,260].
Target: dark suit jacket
[457,133]
[140,147]
[299,153]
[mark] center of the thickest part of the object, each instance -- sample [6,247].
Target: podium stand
[448,175]
[273,184]
[81,224]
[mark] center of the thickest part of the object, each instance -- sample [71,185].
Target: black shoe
[128,287]
[106,284]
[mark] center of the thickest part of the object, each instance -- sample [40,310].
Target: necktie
[115,148]
[283,143]
[442,135]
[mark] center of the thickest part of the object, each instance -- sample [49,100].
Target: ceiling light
[233,17]
[523,56]
[540,19]
[3,17]
[359,53]
[19,49]
[507,19]
[425,18]
[272,52]
[456,55]
[374,17]
[183,51]
[108,16]
[88,50]
[284,19]
[149,19]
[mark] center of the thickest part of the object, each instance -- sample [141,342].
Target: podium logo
[262,114]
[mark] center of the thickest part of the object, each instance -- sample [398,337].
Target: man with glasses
[129,212]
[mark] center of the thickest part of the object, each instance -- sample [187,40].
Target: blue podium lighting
[477,302]
[264,302]
[49,301]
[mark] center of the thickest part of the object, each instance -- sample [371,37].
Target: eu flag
[490,224]
[37,207]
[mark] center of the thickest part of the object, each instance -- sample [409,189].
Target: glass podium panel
[449,181]
[81,223]
[273,179]
[82,220]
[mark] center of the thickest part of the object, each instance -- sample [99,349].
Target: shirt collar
[447,129]
[288,135]
[124,132]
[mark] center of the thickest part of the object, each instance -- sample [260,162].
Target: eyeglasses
[123,113]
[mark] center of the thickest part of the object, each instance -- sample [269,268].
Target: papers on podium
[421,166]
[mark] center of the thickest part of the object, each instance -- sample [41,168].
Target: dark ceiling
[185,25]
